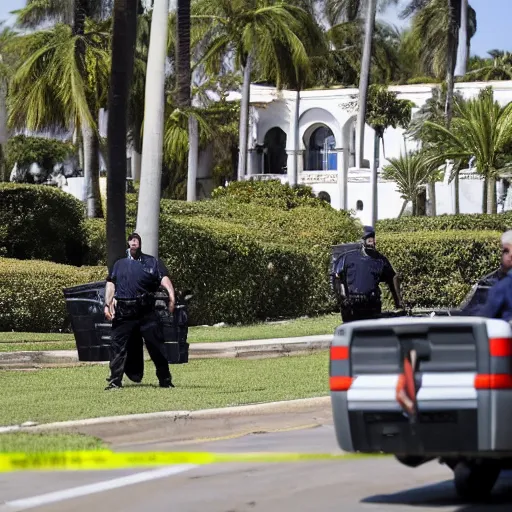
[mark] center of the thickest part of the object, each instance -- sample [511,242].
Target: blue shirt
[134,278]
[499,300]
[364,270]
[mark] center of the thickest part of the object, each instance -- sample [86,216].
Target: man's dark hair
[137,236]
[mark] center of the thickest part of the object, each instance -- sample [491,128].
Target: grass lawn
[61,394]
[14,341]
[37,443]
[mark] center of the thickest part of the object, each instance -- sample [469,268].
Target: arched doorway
[274,153]
[320,150]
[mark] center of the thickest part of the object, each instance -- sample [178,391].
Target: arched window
[274,152]
[324,196]
[321,154]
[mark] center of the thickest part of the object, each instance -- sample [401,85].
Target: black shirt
[364,270]
[134,278]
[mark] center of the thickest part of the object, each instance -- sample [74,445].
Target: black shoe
[166,383]
[113,385]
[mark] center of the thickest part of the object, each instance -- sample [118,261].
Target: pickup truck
[462,390]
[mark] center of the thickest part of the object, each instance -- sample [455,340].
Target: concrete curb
[227,349]
[287,406]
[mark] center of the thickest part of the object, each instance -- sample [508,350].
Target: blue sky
[493,18]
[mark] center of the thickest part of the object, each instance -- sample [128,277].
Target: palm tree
[364,79]
[482,128]
[148,213]
[430,27]
[498,67]
[7,58]
[49,89]
[183,96]
[441,22]
[384,111]
[411,172]
[123,50]
[343,62]
[251,30]
[136,107]
[75,14]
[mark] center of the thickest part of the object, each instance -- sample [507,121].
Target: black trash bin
[84,304]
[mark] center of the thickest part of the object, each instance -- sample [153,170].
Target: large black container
[84,304]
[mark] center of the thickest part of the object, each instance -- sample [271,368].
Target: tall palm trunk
[491,195]
[451,57]
[91,143]
[295,156]
[364,79]
[148,213]
[484,195]
[374,179]
[432,195]
[183,72]
[184,97]
[463,46]
[92,170]
[136,154]
[123,50]
[244,119]
[3,129]
[193,158]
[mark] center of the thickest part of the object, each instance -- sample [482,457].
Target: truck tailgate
[464,385]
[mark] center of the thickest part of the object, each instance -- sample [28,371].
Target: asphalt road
[379,484]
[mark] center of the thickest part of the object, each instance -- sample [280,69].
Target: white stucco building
[326,146]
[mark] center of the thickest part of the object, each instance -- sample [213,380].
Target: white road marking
[84,490]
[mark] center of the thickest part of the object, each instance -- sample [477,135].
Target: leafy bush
[270,193]
[41,222]
[247,261]
[95,252]
[32,298]
[44,151]
[439,268]
[236,279]
[472,222]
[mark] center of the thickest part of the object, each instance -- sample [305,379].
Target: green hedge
[246,262]
[236,279]
[270,193]
[31,298]
[41,222]
[470,222]
[439,268]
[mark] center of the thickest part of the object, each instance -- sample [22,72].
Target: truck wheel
[474,480]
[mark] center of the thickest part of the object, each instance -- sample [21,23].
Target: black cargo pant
[360,307]
[130,323]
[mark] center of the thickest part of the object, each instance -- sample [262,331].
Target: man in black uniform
[130,304]
[360,272]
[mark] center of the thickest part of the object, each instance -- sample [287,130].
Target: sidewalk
[274,347]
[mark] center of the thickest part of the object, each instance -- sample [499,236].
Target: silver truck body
[464,392]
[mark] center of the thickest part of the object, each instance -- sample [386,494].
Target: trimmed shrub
[41,222]
[95,252]
[236,279]
[32,298]
[42,150]
[270,193]
[470,222]
[439,268]
[246,262]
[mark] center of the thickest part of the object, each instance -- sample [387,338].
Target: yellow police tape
[108,460]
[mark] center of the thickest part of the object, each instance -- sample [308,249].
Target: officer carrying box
[130,304]
[356,278]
